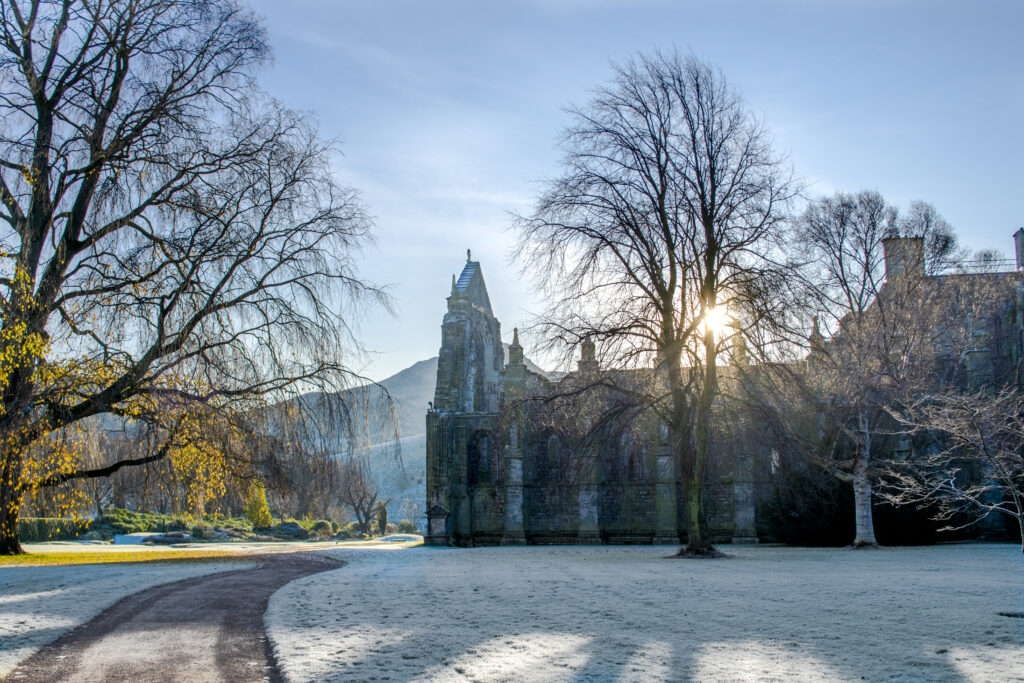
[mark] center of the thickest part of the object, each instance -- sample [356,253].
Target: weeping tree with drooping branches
[174,249]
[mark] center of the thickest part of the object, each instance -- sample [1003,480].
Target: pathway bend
[208,628]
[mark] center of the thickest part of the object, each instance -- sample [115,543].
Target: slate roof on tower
[470,286]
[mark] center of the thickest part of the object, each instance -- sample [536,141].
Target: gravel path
[39,604]
[208,628]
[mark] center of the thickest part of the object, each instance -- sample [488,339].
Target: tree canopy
[175,248]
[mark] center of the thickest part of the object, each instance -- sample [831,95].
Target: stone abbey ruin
[503,470]
[509,462]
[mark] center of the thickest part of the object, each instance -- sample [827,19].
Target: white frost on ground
[38,604]
[620,613]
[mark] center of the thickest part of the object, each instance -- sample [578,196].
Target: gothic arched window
[633,466]
[554,456]
[479,459]
[626,460]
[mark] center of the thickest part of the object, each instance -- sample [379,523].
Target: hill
[412,389]
[402,480]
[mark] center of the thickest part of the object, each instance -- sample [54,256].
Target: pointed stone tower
[462,427]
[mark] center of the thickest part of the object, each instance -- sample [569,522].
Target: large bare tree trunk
[697,541]
[862,490]
[10,544]
[10,503]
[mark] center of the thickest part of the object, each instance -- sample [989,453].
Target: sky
[448,113]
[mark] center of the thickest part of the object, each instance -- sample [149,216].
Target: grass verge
[107,557]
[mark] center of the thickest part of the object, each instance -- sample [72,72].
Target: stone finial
[815,339]
[588,357]
[469,256]
[515,351]
[453,283]
[739,350]
[588,350]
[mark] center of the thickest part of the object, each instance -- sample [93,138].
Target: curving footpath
[209,628]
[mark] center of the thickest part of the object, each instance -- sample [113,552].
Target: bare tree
[174,243]
[897,330]
[669,207]
[970,458]
[358,491]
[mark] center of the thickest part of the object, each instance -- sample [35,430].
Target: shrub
[406,526]
[256,509]
[322,528]
[42,529]
[380,515]
[335,527]
[808,506]
[351,530]
[909,525]
[120,521]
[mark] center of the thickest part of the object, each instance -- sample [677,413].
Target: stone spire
[515,351]
[588,358]
[815,339]
[739,349]
[453,284]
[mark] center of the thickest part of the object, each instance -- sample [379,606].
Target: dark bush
[808,506]
[406,527]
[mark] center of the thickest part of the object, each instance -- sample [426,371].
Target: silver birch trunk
[862,489]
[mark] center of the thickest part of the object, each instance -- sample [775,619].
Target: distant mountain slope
[412,389]
[401,480]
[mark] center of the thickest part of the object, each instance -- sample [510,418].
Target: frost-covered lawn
[38,604]
[616,613]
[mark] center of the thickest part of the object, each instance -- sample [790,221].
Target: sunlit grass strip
[108,557]
[375,544]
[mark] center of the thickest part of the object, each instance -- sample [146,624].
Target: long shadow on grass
[621,613]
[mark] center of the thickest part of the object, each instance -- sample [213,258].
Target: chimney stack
[904,256]
[1018,243]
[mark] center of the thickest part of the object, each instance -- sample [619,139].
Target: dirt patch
[208,628]
[709,554]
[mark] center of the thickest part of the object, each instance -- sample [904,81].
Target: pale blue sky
[448,114]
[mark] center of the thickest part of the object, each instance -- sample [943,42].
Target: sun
[717,319]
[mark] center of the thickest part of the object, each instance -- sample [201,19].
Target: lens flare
[716,319]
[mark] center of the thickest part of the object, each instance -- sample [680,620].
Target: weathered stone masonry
[493,477]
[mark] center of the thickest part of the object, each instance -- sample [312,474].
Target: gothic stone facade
[497,474]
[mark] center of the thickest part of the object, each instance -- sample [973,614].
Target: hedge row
[40,529]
